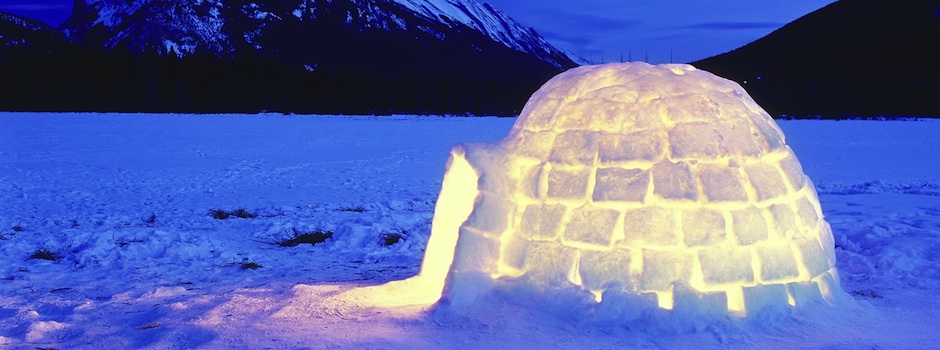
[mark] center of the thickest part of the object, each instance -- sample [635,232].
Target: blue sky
[49,11]
[657,31]
[640,29]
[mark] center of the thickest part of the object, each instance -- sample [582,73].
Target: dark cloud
[736,25]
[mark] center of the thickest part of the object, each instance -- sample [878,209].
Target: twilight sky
[648,30]
[603,30]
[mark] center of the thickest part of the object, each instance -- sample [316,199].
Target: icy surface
[124,201]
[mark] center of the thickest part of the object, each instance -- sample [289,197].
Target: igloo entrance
[666,185]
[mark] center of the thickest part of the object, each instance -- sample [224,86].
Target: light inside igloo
[664,185]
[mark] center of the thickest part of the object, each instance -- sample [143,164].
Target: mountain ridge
[294,56]
[858,58]
[201,25]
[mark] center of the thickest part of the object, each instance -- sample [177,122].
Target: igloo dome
[663,183]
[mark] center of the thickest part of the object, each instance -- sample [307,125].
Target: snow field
[124,201]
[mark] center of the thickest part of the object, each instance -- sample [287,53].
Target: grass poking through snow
[250,265]
[312,238]
[220,214]
[45,254]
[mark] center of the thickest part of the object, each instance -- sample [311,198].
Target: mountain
[305,56]
[492,22]
[851,58]
[225,27]
[26,34]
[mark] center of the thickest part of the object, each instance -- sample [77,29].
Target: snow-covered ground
[123,204]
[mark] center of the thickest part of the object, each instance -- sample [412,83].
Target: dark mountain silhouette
[852,58]
[17,33]
[344,56]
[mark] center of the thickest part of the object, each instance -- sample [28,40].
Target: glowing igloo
[665,183]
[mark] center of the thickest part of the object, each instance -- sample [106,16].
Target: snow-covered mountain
[301,56]
[22,33]
[490,21]
[227,27]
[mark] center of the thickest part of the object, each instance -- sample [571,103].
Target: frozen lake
[122,202]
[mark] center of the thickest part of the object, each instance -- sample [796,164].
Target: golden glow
[574,276]
[455,202]
[665,299]
[454,205]
[644,177]
[598,295]
[736,303]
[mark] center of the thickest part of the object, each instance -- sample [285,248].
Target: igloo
[662,184]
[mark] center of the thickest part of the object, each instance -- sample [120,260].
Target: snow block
[722,265]
[721,183]
[693,141]
[601,269]
[663,268]
[542,222]
[494,211]
[792,171]
[539,115]
[536,145]
[650,225]
[763,297]
[581,116]
[703,227]
[766,180]
[812,256]
[530,185]
[691,304]
[827,242]
[804,293]
[617,184]
[674,181]
[828,285]
[596,115]
[736,139]
[550,264]
[777,263]
[513,255]
[784,220]
[594,226]
[574,147]
[475,252]
[749,226]
[807,214]
[633,146]
[568,183]
[770,138]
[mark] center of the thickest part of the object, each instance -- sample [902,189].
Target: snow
[125,200]
[713,213]
[486,19]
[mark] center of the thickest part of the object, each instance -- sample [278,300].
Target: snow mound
[637,187]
